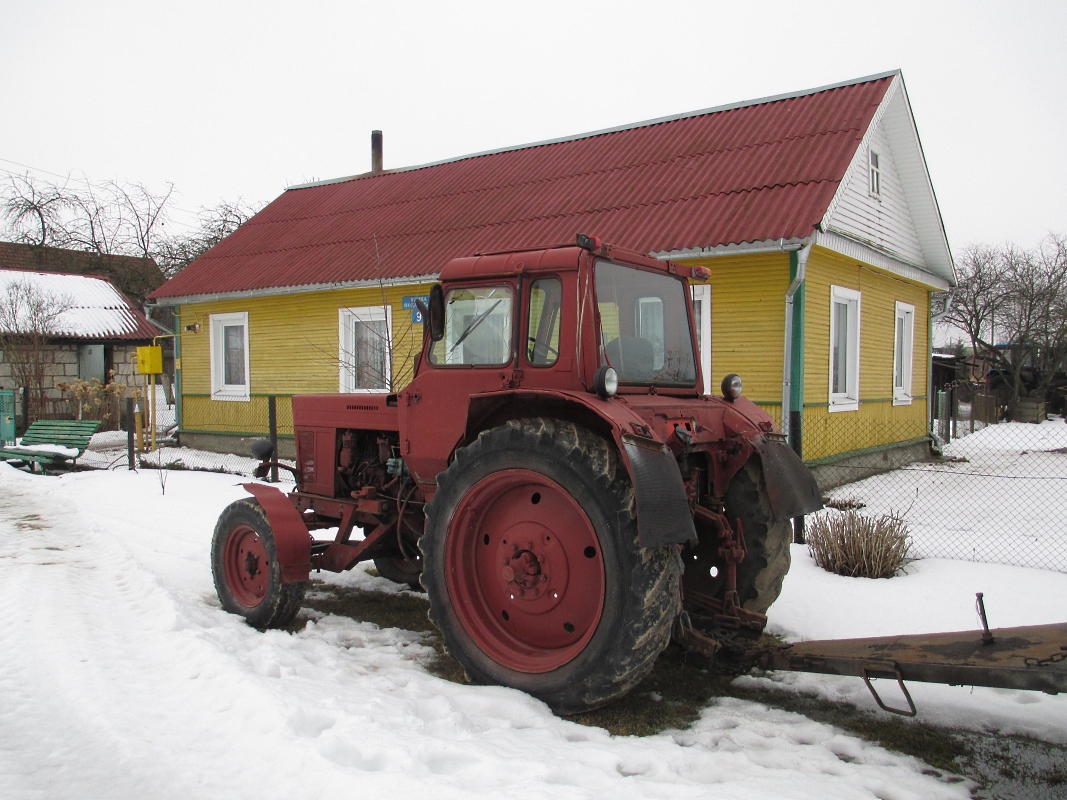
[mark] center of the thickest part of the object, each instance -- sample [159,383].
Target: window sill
[231,397]
[845,405]
[902,401]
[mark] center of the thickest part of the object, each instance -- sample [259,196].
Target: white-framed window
[844,349]
[230,379]
[903,353]
[702,320]
[365,345]
[874,160]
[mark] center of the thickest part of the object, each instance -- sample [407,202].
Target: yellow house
[813,212]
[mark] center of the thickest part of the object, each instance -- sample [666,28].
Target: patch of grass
[848,503]
[673,694]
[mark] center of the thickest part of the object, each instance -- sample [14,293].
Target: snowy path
[120,677]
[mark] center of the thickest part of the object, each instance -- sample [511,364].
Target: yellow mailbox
[149,360]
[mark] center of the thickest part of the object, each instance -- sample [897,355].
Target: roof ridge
[604,131]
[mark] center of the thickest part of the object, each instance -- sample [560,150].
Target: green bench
[72,433]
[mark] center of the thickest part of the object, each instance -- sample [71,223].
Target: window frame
[220,390]
[849,400]
[514,319]
[902,395]
[874,173]
[346,317]
[556,325]
[702,300]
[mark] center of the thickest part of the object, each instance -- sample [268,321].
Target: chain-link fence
[987,490]
[970,484]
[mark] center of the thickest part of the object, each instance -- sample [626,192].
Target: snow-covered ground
[121,677]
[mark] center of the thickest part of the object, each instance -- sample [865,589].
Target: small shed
[59,328]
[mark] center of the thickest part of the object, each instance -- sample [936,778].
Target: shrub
[857,545]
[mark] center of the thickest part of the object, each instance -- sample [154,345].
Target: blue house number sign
[409,303]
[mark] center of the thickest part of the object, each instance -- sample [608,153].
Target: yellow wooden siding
[878,421]
[748,322]
[293,348]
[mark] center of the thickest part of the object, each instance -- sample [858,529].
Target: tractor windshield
[644,326]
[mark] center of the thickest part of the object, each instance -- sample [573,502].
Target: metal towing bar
[1032,657]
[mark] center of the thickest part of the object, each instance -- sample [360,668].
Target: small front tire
[244,564]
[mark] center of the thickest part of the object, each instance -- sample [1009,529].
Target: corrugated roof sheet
[744,174]
[93,309]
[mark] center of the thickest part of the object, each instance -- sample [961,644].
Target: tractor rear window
[644,326]
[477,328]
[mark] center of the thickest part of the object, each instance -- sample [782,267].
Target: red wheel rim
[247,566]
[524,571]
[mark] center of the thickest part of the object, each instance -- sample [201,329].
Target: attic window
[876,173]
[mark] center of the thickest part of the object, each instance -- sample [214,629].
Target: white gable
[902,221]
[93,308]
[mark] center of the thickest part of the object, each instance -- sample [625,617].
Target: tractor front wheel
[534,572]
[245,567]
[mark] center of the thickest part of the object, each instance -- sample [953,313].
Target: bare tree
[1012,302]
[29,317]
[35,211]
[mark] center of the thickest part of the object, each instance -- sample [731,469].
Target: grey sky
[242,99]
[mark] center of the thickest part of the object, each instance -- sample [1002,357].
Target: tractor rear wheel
[534,572]
[245,567]
[761,573]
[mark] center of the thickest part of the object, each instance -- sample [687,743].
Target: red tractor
[554,477]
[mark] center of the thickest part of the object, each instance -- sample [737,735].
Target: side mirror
[436,316]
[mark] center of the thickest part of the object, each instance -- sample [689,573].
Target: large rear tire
[534,572]
[244,564]
[761,573]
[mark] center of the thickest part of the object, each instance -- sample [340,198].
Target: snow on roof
[93,308]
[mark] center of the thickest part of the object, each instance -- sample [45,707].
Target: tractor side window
[542,335]
[477,328]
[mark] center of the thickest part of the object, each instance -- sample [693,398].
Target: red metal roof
[743,174]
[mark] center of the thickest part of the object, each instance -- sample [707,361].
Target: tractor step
[1032,657]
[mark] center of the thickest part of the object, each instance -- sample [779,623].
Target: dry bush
[97,400]
[857,545]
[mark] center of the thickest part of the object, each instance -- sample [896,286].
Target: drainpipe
[799,259]
[793,372]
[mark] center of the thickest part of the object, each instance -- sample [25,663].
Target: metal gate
[7,416]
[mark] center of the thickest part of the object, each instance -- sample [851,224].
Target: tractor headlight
[731,386]
[606,381]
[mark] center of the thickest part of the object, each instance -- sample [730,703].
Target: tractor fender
[292,539]
[663,515]
[791,488]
